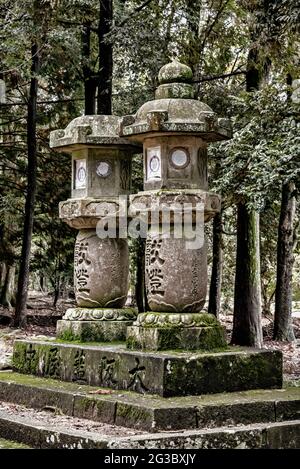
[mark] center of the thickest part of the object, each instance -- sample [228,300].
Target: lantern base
[175,331]
[95,324]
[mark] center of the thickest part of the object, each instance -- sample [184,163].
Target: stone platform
[149,412]
[168,373]
[123,419]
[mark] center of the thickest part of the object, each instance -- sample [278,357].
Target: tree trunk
[283,328]
[89,79]
[104,98]
[42,282]
[20,311]
[140,276]
[2,274]
[247,329]
[217,267]
[56,294]
[8,290]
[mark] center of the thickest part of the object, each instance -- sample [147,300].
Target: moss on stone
[133,344]
[199,320]
[92,331]
[131,413]
[92,344]
[175,72]
[68,336]
[176,338]
[168,338]
[8,444]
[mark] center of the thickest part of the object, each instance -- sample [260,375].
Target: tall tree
[283,329]
[23,279]
[88,75]
[217,267]
[247,327]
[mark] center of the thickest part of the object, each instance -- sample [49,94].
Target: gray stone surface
[86,213]
[34,433]
[174,129]
[287,410]
[178,115]
[168,201]
[100,314]
[283,436]
[41,436]
[8,444]
[100,271]
[175,276]
[101,172]
[88,130]
[176,337]
[149,412]
[271,436]
[163,373]
[99,410]
[101,160]
[171,331]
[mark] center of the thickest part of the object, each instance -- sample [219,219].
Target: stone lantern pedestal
[175,273]
[101,175]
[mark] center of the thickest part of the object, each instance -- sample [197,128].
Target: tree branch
[220,77]
[134,12]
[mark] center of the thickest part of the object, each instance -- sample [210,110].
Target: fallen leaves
[101,391]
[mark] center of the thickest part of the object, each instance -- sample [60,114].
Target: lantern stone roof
[174,110]
[89,131]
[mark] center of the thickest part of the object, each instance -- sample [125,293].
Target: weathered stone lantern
[175,130]
[101,173]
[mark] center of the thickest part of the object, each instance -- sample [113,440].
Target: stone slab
[287,410]
[162,338]
[164,373]
[44,397]
[267,435]
[92,331]
[283,436]
[149,412]
[259,436]
[273,436]
[99,410]
[44,437]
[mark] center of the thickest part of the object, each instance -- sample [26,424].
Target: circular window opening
[179,158]
[81,174]
[103,169]
[154,164]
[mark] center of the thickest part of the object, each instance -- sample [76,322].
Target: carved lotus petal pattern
[98,314]
[176,320]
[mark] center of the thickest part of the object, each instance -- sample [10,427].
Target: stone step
[149,412]
[8,444]
[30,431]
[168,373]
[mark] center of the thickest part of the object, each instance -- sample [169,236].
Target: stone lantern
[175,130]
[101,175]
